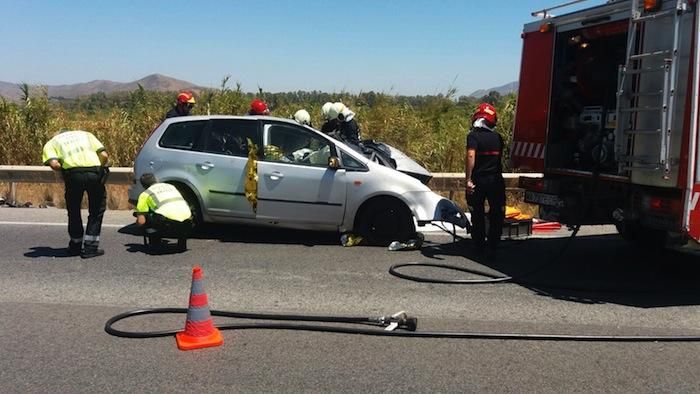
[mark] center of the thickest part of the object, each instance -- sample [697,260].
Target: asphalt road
[54,309]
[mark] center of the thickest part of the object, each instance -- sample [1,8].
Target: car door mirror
[333,162]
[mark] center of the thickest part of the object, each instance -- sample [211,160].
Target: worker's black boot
[90,253]
[182,244]
[74,248]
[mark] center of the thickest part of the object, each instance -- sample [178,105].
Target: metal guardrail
[44,174]
[124,175]
[450,182]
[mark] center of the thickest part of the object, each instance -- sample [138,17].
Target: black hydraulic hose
[394,270]
[374,332]
[238,315]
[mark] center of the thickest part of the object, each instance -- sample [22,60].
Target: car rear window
[182,135]
[230,136]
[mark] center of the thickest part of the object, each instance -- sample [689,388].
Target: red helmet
[485,111]
[258,107]
[185,97]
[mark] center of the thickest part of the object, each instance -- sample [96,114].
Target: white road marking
[57,224]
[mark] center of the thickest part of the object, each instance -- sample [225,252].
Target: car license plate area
[543,199]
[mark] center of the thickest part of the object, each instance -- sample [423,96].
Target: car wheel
[193,202]
[385,220]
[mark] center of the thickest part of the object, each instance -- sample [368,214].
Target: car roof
[244,117]
[177,119]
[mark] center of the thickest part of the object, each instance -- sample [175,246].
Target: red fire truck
[608,111]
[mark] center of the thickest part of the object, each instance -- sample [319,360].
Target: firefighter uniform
[167,213]
[488,186]
[78,152]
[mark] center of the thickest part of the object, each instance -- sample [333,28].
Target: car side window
[295,145]
[182,135]
[230,136]
[350,162]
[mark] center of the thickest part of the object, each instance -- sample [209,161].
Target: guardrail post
[13,192]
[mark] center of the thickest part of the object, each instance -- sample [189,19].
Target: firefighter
[329,124]
[162,211]
[82,160]
[302,117]
[348,129]
[484,179]
[258,107]
[185,103]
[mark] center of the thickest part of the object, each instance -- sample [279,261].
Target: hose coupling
[399,320]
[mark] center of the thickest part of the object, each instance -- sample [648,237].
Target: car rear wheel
[193,202]
[385,220]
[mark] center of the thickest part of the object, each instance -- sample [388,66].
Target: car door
[295,183]
[221,168]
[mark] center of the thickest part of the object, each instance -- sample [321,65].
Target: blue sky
[397,47]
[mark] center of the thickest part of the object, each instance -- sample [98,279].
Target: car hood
[408,166]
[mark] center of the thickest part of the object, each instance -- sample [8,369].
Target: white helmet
[346,115]
[335,110]
[324,110]
[302,117]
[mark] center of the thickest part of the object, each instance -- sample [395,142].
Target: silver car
[305,179]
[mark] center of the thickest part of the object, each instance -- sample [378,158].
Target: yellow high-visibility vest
[73,149]
[164,199]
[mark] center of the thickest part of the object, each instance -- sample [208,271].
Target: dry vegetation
[429,129]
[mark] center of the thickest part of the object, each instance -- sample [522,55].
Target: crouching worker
[163,213]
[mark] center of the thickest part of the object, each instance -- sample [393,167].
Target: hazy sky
[400,47]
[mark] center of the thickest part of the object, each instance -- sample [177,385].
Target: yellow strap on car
[251,176]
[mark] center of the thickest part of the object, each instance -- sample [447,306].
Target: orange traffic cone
[199,327]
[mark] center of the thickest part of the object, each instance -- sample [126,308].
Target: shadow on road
[165,249]
[255,235]
[589,269]
[46,251]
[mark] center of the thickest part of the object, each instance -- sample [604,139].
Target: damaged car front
[384,204]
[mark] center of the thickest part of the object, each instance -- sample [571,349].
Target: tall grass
[429,129]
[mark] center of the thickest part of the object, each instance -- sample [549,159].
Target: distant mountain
[7,89]
[504,89]
[156,82]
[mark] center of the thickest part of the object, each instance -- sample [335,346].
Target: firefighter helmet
[258,107]
[185,98]
[325,109]
[303,117]
[486,111]
[335,110]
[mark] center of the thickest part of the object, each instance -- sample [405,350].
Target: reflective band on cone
[199,328]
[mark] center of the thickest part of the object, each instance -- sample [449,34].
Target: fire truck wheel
[641,236]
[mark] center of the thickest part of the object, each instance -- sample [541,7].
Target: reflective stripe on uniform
[77,240]
[92,238]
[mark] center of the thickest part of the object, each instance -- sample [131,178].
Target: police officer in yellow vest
[82,159]
[163,211]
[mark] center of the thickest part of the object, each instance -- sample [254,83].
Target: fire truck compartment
[584,97]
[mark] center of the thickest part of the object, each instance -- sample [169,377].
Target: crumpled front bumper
[428,207]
